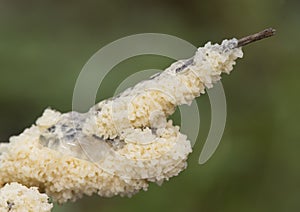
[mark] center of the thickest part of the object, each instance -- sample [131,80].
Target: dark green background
[44,44]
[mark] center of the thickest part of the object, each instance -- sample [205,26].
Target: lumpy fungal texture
[120,144]
[18,198]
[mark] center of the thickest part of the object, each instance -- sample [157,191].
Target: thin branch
[255,37]
[241,42]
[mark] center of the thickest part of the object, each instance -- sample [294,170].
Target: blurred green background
[44,45]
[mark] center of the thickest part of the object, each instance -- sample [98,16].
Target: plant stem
[255,37]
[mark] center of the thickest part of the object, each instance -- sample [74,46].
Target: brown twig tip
[255,37]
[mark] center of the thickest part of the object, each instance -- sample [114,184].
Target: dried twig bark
[255,37]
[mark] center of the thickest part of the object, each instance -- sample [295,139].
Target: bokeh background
[44,45]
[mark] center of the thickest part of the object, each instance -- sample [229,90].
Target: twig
[241,42]
[255,37]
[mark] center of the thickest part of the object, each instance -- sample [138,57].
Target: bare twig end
[255,37]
